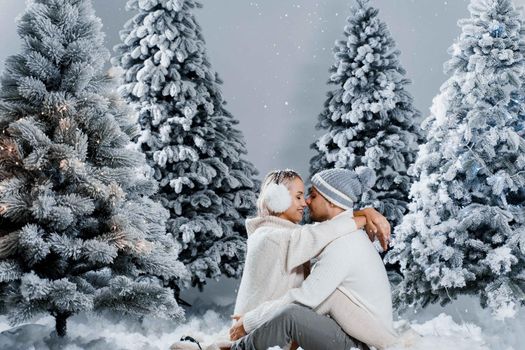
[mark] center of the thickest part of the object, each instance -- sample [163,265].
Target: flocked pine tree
[189,138]
[79,231]
[465,231]
[369,117]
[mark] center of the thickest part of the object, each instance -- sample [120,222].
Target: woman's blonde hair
[277,177]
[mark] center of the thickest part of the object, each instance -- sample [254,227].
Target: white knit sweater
[276,251]
[350,264]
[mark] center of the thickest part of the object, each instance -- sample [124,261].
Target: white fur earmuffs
[277,198]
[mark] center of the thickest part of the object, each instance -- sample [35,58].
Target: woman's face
[295,212]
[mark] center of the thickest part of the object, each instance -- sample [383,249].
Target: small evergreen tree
[465,232]
[78,229]
[369,117]
[189,138]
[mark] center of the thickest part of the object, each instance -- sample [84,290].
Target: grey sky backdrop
[274,55]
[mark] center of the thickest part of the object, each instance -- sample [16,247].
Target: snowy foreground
[459,326]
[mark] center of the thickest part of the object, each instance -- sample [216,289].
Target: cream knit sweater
[276,251]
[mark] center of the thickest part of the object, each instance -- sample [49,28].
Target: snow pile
[462,325]
[443,333]
[97,333]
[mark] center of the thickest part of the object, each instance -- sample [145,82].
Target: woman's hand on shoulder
[377,226]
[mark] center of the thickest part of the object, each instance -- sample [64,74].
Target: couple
[345,301]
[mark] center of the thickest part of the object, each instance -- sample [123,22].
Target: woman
[278,248]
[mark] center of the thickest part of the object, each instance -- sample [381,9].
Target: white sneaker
[191,344]
[186,343]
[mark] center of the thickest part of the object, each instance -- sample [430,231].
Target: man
[348,282]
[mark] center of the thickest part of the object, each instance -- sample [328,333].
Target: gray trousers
[295,322]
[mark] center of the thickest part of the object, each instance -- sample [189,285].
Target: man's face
[318,205]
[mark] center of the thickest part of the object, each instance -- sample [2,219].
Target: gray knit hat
[344,187]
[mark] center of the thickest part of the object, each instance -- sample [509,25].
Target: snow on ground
[442,332]
[102,333]
[462,325]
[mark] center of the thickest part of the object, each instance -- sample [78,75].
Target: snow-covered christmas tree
[189,138]
[369,117]
[465,231]
[79,231]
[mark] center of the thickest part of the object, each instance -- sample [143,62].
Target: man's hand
[376,226]
[237,331]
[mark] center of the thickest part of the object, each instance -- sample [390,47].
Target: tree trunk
[61,323]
